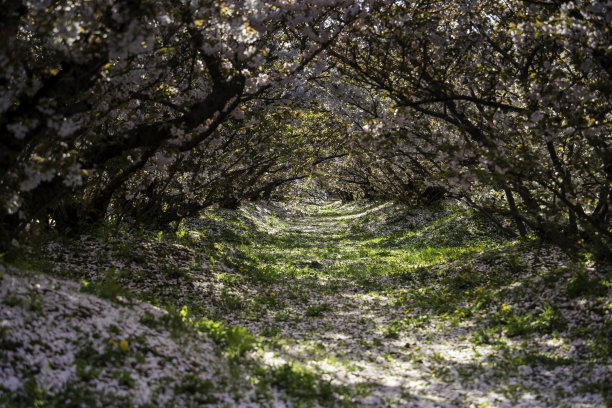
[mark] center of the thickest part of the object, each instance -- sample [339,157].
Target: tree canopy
[148,111]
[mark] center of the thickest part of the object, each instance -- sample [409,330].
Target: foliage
[502,104]
[148,111]
[299,383]
[236,340]
[152,108]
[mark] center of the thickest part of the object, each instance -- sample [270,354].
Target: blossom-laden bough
[153,110]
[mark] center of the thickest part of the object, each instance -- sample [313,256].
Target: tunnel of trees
[148,111]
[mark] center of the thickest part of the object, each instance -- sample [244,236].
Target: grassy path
[364,304]
[415,308]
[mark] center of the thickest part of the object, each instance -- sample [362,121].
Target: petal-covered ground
[365,304]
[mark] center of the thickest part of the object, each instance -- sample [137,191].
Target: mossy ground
[338,304]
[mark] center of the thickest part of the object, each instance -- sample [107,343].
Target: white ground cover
[320,298]
[49,324]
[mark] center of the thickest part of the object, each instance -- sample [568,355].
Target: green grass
[300,383]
